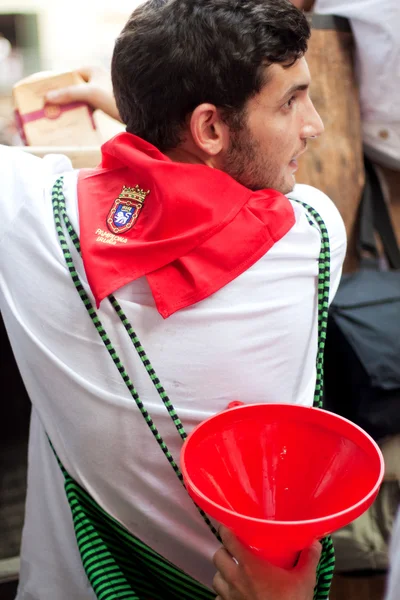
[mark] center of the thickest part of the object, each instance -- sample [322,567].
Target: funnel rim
[305,522]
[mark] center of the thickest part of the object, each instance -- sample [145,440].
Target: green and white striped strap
[324,272]
[60,210]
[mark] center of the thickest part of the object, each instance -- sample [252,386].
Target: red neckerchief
[197,229]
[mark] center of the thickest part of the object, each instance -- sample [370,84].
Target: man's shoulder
[17,161]
[322,204]
[311,196]
[333,221]
[24,177]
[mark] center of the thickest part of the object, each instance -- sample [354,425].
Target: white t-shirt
[255,340]
[376,26]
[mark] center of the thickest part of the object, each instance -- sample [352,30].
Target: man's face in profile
[277,123]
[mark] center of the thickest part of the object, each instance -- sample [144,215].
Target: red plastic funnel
[281,476]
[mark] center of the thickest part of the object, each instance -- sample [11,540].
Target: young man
[215,269]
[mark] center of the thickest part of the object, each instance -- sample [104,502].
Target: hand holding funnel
[280,476]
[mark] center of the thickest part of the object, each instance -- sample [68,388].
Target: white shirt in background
[376,29]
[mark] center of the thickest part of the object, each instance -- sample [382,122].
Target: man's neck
[183,154]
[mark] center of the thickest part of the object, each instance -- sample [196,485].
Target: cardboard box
[44,124]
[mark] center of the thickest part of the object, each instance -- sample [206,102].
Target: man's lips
[297,156]
[293,163]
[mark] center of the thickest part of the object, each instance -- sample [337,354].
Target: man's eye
[290,102]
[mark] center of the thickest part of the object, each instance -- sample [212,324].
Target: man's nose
[313,126]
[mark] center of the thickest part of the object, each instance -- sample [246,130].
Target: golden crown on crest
[136,193]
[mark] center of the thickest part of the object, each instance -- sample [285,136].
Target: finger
[309,559]
[231,543]
[94,73]
[86,73]
[221,586]
[225,564]
[69,94]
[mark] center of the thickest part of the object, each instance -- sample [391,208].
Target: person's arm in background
[96,91]
[243,576]
[393,583]
[303,4]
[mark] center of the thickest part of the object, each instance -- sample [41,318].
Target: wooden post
[334,162]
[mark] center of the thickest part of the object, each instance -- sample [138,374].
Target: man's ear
[209,132]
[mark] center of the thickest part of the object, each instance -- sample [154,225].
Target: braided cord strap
[327,562]
[326,565]
[59,210]
[324,273]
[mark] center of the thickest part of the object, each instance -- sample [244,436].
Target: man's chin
[287,186]
[284,186]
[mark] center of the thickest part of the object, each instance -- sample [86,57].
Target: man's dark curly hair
[173,55]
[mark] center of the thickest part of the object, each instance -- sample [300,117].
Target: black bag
[362,353]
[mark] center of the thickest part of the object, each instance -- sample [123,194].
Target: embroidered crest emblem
[125,209]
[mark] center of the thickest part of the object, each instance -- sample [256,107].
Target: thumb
[69,94]
[309,559]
